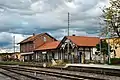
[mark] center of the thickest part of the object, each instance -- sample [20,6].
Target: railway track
[97,70]
[50,73]
[17,75]
[90,69]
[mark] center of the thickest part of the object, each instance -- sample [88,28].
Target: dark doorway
[53,55]
[30,57]
[80,57]
[46,59]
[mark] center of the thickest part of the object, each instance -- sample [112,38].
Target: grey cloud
[28,16]
[5,39]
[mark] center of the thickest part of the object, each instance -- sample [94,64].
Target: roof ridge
[31,37]
[84,36]
[85,41]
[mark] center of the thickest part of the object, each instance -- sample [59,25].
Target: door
[53,55]
[80,57]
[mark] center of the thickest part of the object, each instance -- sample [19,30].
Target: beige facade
[115,44]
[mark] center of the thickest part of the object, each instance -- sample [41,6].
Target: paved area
[94,65]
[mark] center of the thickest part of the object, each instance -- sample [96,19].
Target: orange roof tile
[49,45]
[31,38]
[84,41]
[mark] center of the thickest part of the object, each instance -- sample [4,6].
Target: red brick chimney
[73,35]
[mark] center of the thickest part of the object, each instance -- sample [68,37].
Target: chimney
[73,35]
[33,34]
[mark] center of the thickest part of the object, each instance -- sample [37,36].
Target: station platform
[93,66]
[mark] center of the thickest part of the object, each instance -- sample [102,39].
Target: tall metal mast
[68,22]
[100,41]
[109,46]
[68,36]
[108,37]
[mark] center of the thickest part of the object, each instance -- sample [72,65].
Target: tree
[104,49]
[112,18]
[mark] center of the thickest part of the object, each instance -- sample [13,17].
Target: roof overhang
[27,53]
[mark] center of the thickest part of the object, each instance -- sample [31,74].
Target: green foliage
[104,47]
[11,63]
[20,63]
[112,18]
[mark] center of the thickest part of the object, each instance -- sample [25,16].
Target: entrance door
[80,57]
[46,58]
[53,55]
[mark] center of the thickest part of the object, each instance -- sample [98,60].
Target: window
[86,48]
[44,39]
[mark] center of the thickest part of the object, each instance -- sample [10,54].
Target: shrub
[115,60]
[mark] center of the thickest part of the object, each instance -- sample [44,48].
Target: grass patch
[59,63]
[20,63]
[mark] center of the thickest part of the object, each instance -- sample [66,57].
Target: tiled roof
[31,38]
[84,41]
[49,46]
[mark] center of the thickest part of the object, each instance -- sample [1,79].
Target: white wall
[56,55]
[87,55]
[94,50]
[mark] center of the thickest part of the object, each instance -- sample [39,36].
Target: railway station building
[44,48]
[81,48]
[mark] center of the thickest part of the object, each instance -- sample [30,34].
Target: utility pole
[68,22]
[68,36]
[14,43]
[109,46]
[100,41]
[108,37]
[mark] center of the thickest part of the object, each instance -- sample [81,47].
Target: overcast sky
[21,18]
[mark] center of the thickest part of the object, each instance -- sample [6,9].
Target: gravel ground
[15,75]
[83,74]
[45,77]
[3,77]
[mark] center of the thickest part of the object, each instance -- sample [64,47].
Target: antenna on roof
[33,34]
[34,30]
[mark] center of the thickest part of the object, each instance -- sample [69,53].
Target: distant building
[11,56]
